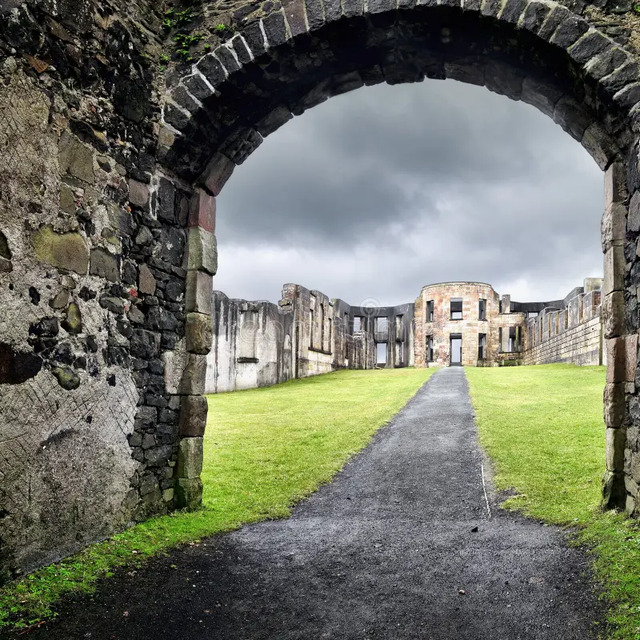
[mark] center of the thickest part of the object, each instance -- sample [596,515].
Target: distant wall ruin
[257,344]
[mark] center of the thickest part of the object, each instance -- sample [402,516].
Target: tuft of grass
[265,449]
[542,427]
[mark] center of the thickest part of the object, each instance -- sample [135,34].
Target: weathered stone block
[615,184]
[592,44]
[184,373]
[614,405]
[189,458]
[614,265]
[615,443]
[295,15]
[612,227]
[631,356]
[199,292]
[202,211]
[76,158]
[274,121]
[616,367]
[105,265]
[138,193]
[198,333]
[599,144]
[612,313]
[614,495]
[189,493]
[218,171]
[540,95]
[146,281]
[193,416]
[203,251]
[63,250]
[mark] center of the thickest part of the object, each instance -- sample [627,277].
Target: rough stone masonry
[120,122]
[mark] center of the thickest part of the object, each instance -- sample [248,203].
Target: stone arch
[218,111]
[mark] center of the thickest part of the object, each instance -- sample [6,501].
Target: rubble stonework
[111,159]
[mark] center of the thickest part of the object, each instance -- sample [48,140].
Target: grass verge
[265,449]
[542,427]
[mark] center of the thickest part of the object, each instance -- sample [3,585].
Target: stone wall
[570,334]
[436,327]
[252,345]
[258,344]
[114,143]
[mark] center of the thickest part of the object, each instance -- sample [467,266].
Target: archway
[296,57]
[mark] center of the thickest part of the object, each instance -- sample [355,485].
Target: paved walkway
[400,545]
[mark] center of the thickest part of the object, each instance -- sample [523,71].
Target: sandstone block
[614,494]
[189,493]
[199,292]
[184,373]
[612,226]
[614,405]
[189,458]
[615,184]
[612,313]
[616,367]
[615,443]
[193,416]
[614,265]
[202,251]
[198,333]
[63,250]
[202,212]
[217,173]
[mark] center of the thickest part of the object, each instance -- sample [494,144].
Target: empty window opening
[500,340]
[456,349]
[399,325]
[311,327]
[381,353]
[482,346]
[357,323]
[382,324]
[482,309]
[456,308]
[532,314]
[430,308]
[345,322]
[429,348]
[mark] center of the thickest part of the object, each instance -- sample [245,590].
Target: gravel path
[403,544]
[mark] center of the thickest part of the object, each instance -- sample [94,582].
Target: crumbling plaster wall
[252,345]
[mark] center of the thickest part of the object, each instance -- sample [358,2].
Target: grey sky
[375,193]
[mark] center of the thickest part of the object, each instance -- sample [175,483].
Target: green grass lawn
[265,449]
[542,427]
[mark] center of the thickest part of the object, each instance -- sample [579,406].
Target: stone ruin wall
[572,335]
[258,344]
[107,223]
[93,269]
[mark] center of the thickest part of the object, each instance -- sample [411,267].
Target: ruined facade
[258,344]
[119,125]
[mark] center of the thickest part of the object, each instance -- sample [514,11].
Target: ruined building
[116,139]
[257,344]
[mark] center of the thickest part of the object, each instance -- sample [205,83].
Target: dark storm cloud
[380,191]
